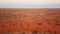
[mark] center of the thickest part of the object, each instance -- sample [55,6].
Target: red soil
[41,20]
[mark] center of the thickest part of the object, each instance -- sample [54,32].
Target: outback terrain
[29,20]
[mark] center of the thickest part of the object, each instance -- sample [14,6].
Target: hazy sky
[29,3]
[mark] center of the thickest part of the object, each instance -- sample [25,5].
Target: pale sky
[29,3]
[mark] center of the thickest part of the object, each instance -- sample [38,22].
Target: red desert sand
[29,20]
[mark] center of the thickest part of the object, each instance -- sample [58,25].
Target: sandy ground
[29,21]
